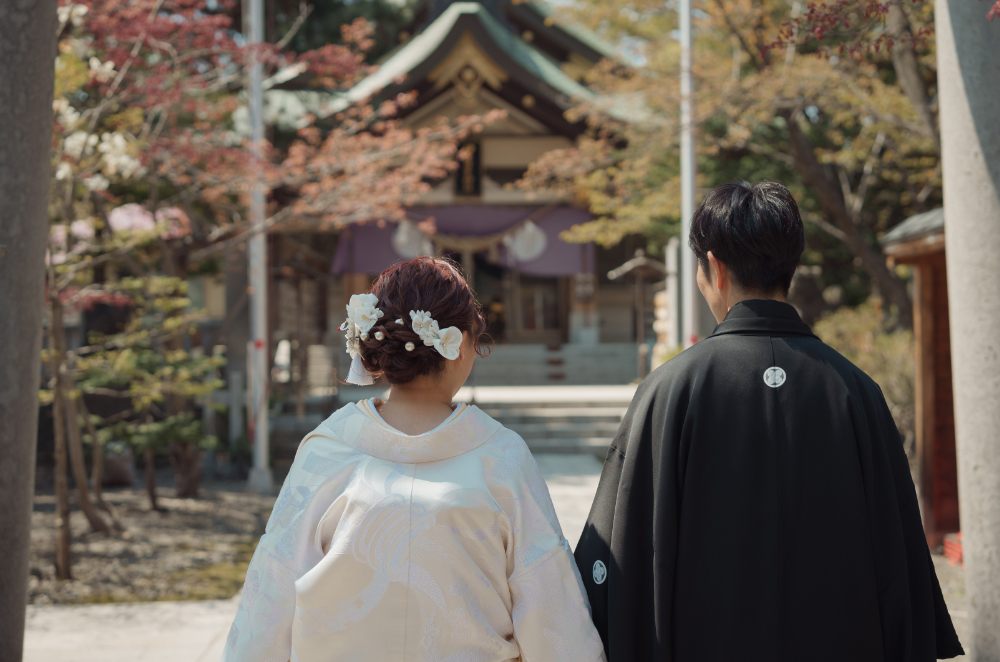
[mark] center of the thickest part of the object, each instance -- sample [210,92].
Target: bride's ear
[467,346]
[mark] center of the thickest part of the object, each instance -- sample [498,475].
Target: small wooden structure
[919,242]
[644,270]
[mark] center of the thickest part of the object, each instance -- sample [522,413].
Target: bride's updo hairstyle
[430,284]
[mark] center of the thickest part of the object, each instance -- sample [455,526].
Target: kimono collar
[470,429]
[763,317]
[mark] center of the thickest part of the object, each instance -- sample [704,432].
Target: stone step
[518,416]
[553,410]
[564,430]
[596,446]
[508,420]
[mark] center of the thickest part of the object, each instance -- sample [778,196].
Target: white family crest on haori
[446,341]
[774,377]
[439,546]
[362,314]
[600,572]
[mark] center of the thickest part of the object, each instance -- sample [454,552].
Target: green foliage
[147,363]
[863,129]
[179,428]
[861,335]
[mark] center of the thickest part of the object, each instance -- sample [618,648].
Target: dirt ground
[193,549]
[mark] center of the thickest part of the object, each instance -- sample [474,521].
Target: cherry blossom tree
[151,175]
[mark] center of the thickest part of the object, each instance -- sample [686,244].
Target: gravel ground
[193,549]
[952,579]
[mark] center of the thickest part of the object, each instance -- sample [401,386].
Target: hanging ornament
[527,243]
[409,242]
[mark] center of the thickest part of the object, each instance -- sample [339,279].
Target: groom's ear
[718,272]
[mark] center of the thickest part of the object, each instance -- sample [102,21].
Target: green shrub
[861,334]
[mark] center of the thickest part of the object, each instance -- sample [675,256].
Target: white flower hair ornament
[447,342]
[362,314]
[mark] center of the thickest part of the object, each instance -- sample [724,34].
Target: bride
[413,528]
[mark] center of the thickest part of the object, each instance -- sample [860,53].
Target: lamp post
[688,282]
[260,479]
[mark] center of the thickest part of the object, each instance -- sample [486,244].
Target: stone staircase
[555,425]
[551,419]
[557,365]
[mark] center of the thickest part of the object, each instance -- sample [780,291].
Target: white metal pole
[674,336]
[688,282]
[260,478]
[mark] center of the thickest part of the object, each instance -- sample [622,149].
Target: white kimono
[389,547]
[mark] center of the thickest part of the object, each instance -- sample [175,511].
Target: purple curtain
[367,248]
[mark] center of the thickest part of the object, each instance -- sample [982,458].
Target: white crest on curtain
[409,241]
[527,243]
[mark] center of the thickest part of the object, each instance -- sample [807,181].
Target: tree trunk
[97,470]
[150,473]
[969,79]
[75,445]
[892,289]
[186,460]
[904,61]
[27,52]
[57,351]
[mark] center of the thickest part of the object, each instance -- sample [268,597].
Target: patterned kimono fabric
[439,546]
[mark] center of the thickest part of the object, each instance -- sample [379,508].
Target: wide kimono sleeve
[549,608]
[916,625]
[628,549]
[262,629]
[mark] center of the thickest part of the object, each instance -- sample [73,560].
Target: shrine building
[554,315]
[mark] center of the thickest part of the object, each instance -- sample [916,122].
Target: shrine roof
[914,226]
[409,57]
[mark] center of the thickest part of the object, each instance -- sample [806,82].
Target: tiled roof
[915,226]
[422,46]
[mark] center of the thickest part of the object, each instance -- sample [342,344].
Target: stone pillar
[27,46]
[969,93]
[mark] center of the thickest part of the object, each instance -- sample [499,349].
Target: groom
[756,503]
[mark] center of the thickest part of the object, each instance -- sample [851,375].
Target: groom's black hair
[755,230]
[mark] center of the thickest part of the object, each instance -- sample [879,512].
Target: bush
[861,335]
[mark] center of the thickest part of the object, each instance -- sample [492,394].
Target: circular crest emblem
[774,377]
[600,572]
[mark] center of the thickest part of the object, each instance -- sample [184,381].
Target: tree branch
[907,66]
[304,11]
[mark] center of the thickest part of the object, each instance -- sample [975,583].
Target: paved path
[137,632]
[196,631]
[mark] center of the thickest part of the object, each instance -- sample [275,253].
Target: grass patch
[213,582]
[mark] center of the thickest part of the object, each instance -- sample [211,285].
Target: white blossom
[97,182]
[67,115]
[78,144]
[114,149]
[103,72]
[362,311]
[63,171]
[448,343]
[80,48]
